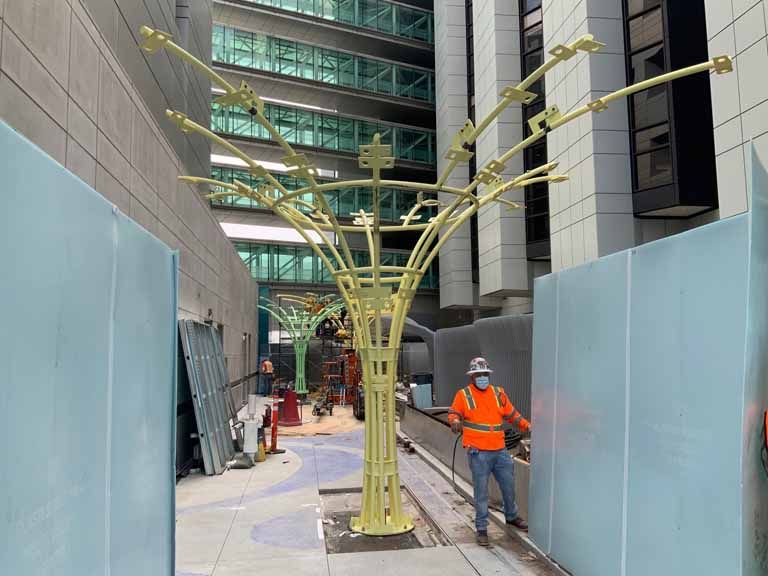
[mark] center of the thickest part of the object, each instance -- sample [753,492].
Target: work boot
[482,537]
[518,523]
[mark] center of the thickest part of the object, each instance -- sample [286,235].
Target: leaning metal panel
[199,400]
[86,377]
[218,387]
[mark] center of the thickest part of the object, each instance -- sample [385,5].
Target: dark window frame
[537,231]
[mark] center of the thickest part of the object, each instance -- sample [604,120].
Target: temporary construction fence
[504,341]
[209,386]
[649,392]
[87,378]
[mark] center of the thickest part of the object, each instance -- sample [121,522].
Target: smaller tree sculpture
[301,324]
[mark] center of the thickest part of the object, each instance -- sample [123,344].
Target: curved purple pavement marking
[327,464]
[297,530]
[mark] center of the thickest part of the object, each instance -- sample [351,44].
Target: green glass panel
[387,204]
[284,263]
[347,141]
[364,199]
[260,261]
[242,49]
[218,52]
[328,131]
[304,264]
[347,202]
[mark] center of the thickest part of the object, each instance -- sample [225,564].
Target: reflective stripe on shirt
[483,427]
[468,398]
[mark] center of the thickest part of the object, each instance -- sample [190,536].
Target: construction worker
[267,372]
[479,410]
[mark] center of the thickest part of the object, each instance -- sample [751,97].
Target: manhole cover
[339,508]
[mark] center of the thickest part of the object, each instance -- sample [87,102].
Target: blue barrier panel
[87,352]
[586,522]
[649,385]
[754,505]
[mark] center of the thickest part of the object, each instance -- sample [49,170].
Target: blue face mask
[482,382]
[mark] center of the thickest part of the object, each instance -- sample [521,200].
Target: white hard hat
[478,366]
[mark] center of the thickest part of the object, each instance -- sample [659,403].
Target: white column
[451,106]
[591,215]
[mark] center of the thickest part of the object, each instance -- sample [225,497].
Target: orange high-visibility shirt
[483,412]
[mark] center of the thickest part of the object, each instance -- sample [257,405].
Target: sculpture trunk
[300,384]
[381,511]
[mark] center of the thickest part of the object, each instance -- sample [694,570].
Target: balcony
[381,16]
[262,53]
[291,264]
[344,202]
[324,131]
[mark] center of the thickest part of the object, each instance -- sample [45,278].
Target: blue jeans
[483,463]
[265,384]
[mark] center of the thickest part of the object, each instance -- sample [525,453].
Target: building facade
[74,81]
[332,75]
[664,161]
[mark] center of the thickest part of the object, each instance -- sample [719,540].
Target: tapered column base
[389,528]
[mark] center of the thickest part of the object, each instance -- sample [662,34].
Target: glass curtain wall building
[328,90]
[380,15]
[257,51]
[325,131]
[344,202]
[290,264]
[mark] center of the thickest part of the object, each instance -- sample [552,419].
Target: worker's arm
[456,412]
[512,415]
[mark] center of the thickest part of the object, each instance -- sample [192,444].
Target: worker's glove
[456,426]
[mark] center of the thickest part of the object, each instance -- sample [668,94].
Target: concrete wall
[451,104]
[740,99]
[73,80]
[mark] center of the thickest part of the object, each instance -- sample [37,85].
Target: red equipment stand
[289,409]
[276,400]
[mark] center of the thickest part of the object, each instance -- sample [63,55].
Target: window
[647,64]
[650,107]
[299,126]
[528,5]
[654,168]
[532,19]
[645,30]
[291,58]
[651,138]
[533,38]
[537,195]
[636,6]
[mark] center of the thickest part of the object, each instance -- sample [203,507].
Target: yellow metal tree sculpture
[301,324]
[378,291]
